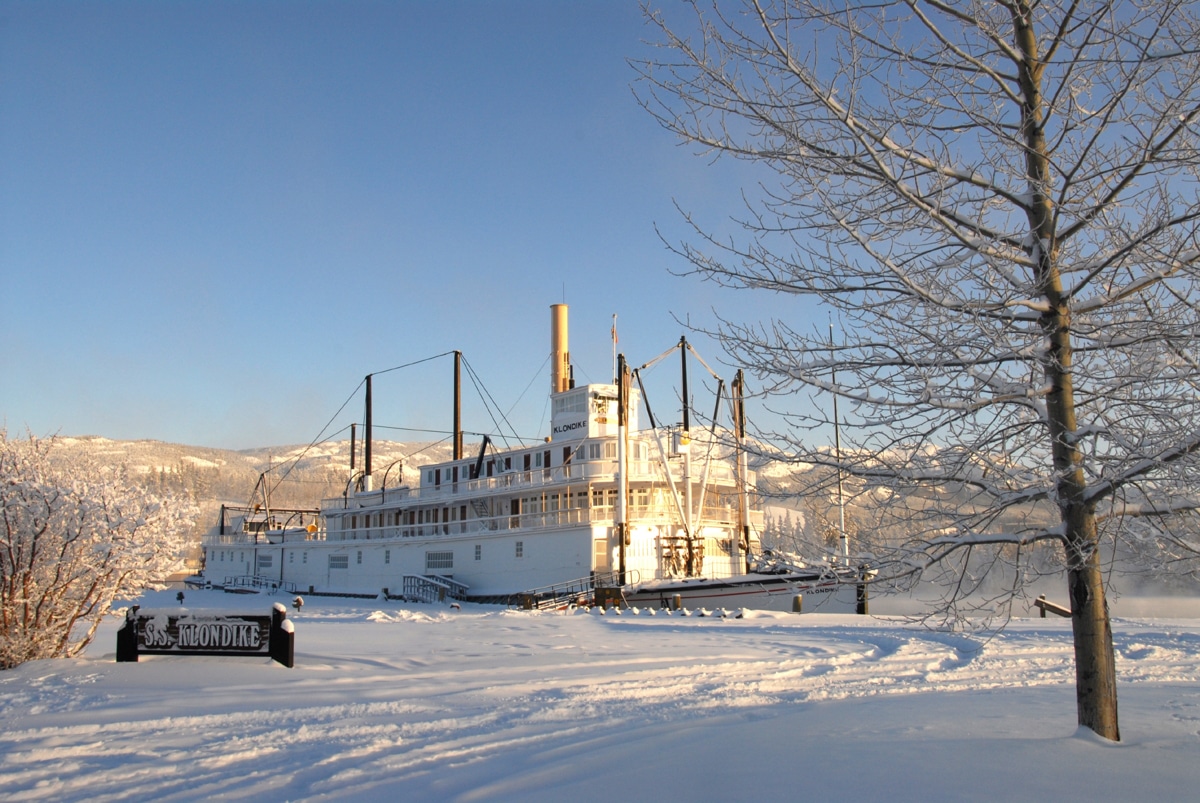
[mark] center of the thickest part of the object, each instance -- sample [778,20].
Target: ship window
[610,450]
[429,476]
[304,558]
[387,556]
[528,458]
[479,552]
[265,561]
[641,498]
[574,403]
[359,558]
[438,560]
[537,460]
[520,549]
[339,561]
[593,451]
[291,557]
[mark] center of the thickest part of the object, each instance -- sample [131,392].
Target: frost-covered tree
[74,539]
[998,199]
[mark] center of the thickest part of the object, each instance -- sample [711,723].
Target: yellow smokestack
[560,355]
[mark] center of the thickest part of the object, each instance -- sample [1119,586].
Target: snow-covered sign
[183,632]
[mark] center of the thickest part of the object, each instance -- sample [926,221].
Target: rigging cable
[489,402]
[353,393]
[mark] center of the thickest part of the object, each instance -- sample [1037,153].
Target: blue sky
[216,218]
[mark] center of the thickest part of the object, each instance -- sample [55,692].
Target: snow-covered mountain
[297,476]
[230,476]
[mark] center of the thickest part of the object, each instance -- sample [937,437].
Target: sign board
[183,632]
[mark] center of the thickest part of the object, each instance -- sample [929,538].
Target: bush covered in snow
[75,538]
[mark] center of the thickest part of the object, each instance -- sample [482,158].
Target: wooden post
[127,638]
[1043,604]
[863,607]
[282,643]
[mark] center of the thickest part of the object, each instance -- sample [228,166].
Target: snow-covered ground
[396,702]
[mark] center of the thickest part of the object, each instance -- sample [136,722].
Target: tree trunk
[1095,665]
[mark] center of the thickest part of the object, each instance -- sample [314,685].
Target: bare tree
[74,539]
[998,198]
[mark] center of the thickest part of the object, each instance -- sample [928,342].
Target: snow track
[481,703]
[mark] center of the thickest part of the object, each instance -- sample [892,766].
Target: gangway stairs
[253,584]
[432,588]
[596,588]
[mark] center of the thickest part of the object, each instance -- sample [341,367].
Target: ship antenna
[843,544]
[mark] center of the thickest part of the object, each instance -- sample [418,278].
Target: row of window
[540,503]
[530,461]
[221,556]
[343,561]
[572,403]
[397,518]
[434,561]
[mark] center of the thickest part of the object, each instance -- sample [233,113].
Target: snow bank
[424,702]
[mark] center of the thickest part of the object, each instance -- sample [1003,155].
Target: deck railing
[597,470]
[251,582]
[663,515]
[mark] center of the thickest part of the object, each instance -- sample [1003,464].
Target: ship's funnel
[560,355]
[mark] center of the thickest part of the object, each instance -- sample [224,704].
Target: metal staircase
[432,588]
[590,590]
[483,513]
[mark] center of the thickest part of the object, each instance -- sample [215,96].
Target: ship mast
[743,471]
[622,525]
[458,433]
[368,483]
[685,446]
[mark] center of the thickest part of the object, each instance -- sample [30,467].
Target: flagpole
[614,341]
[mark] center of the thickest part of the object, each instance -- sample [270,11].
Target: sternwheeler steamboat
[603,509]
